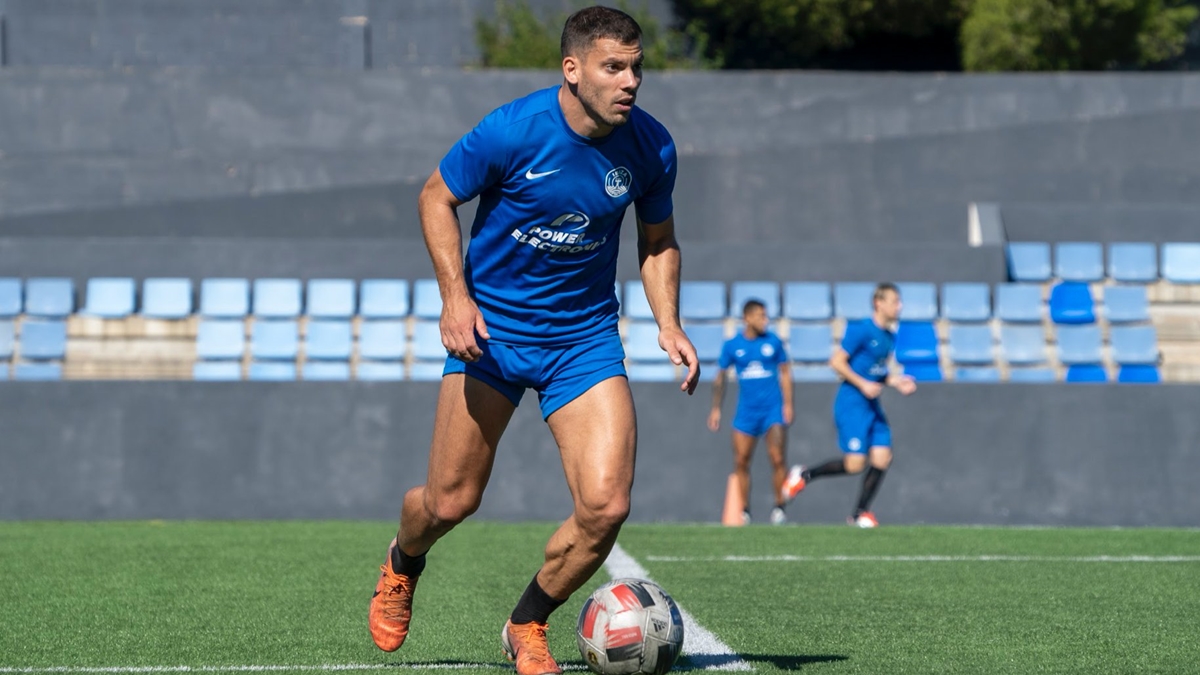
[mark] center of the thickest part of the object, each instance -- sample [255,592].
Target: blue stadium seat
[383,371]
[271,371]
[421,371]
[652,372]
[427,299]
[707,338]
[224,298]
[919,300]
[971,344]
[384,340]
[1086,373]
[50,297]
[274,340]
[1134,345]
[810,343]
[702,300]
[924,372]
[1032,375]
[916,342]
[766,292]
[11,300]
[277,298]
[641,342]
[1126,304]
[326,370]
[1137,374]
[1079,345]
[966,302]
[977,375]
[330,298]
[220,339]
[48,370]
[1079,261]
[109,297]
[1023,345]
[328,339]
[807,301]
[217,371]
[383,298]
[1019,303]
[813,373]
[1029,261]
[1180,264]
[635,305]
[1133,262]
[852,300]
[1071,303]
[43,339]
[7,340]
[167,298]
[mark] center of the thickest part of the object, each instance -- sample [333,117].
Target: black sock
[535,605]
[869,486]
[408,565]
[834,467]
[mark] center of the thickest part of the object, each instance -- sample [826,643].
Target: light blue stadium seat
[1029,261]
[48,370]
[1180,263]
[274,339]
[852,300]
[224,298]
[328,339]
[641,342]
[1086,373]
[635,305]
[7,339]
[1019,303]
[1023,345]
[383,298]
[916,342]
[12,301]
[807,301]
[1079,261]
[966,302]
[421,371]
[427,299]
[1133,262]
[813,373]
[330,299]
[919,301]
[49,297]
[1071,303]
[167,298]
[1079,345]
[43,339]
[1126,304]
[1134,345]
[1032,375]
[382,371]
[217,371]
[277,298]
[810,343]
[986,374]
[702,300]
[384,340]
[707,338]
[924,372]
[971,344]
[326,370]
[652,372]
[220,339]
[271,371]
[109,297]
[1138,374]
[766,292]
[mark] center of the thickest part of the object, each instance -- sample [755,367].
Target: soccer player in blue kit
[764,405]
[863,431]
[533,307]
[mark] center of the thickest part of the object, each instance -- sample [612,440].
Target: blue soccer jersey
[757,365]
[869,347]
[541,263]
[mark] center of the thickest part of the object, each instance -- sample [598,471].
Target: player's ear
[570,66]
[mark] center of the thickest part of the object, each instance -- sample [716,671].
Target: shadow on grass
[782,662]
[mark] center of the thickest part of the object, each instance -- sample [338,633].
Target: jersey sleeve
[726,358]
[853,340]
[655,204]
[478,160]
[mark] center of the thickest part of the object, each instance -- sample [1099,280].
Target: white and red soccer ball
[628,627]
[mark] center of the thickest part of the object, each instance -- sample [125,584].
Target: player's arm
[718,398]
[438,208]
[840,362]
[659,261]
[785,387]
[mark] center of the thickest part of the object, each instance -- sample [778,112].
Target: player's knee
[450,510]
[855,463]
[600,519]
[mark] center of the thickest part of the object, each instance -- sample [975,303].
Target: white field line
[931,558]
[703,649]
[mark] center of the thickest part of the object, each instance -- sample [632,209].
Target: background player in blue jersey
[764,405]
[533,307]
[863,431]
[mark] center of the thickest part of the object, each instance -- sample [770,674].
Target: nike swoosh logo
[530,175]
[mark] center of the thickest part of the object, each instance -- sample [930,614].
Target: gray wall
[1001,454]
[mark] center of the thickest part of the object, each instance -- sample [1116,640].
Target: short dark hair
[882,290]
[597,23]
[753,303]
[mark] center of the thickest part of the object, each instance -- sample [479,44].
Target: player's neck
[881,321]
[751,334]
[577,116]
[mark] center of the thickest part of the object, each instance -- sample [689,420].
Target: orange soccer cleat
[794,483]
[865,520]
[526,644]
[391,606]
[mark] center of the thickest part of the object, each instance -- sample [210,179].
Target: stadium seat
[277,298]
[1023,345]
[48,370]
[1071,303]
[224,298]
[1029,261]
[702,300]
[919,301]
[971,345]
[427,299]
[707,338]
[328,339]
[617,293]
[384,340]
[966,302]
[217,371]
[166,298]
[383,298]
[271,371]
[651,372]
[1079,345]
[852,300]
[810,343]
[49,297]
[220,339]
[330,299]
[924,372]
[916,342]
[641,342]
[326,370]
[1138,374]
[274,340]
[1019,303]
[1134,345]
[43,339]
[421,371]
[807,301]
[766,292]
[1180,263]
[7,339]
[813,373]
[11,302]
[109,297]
[977,375]
[1032,375]
[635,305]
[1135,263]
[1086,373]
[1079,261]
[382,370]
[1126,304]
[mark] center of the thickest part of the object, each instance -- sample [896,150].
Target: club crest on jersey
[768,350]
[617,182]
[565,234]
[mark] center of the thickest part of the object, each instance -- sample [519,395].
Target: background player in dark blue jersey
[863,431]
[533,306]
[764,405]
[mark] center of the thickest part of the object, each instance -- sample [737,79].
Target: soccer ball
[630,626]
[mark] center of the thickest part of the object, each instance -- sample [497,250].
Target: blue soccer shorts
[861,424]
[756,421]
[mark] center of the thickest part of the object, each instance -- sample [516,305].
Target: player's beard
[601,105]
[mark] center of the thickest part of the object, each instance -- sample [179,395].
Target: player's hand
[789,414]
[714,420]
[871,390]
[906,385]
[461,321]
[681,352]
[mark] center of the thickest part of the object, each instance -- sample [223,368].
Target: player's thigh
[743,447]
[471,417]
[597,437]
